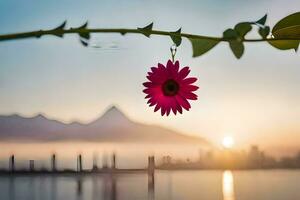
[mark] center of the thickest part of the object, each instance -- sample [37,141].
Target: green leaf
[235,43]
[292,32]
[237,48]
[243,28]
[292,20]
[60,29]
[264,31]
[176,37]
[284,44]
[288,27]
[262,20]
[83,31]
[146,30]
[231,34]
[201,46]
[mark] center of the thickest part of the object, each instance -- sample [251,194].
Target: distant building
[53,162]
[12,163]
[255,157]
[113,161]
[95,162]
[166,160]
[79,163]
[31,165]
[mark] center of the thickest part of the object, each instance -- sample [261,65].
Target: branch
[284,35]
[123,31]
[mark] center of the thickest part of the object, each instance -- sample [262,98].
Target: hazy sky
[255,99]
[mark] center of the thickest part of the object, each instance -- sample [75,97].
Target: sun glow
[228,142]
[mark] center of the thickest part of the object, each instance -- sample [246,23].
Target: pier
[80,174]
[32,170]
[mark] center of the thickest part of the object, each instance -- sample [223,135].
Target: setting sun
[228,142]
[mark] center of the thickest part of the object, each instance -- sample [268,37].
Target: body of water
[177,185]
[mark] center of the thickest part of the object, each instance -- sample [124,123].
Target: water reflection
[151,187]
[228,185]
[110,188]
[95,188]
[11,188]
[53,188]
[79,188]
[190,185]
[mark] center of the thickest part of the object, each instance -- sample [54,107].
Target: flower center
[170,87]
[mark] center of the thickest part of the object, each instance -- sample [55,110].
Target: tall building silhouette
[113,161]
[53,162]
[255,157]
[95,162]
[31,165]
[104,161]
[12,163]
[79,163]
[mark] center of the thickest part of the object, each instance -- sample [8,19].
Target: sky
[256,99]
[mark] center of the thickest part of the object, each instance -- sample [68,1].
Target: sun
[228,142]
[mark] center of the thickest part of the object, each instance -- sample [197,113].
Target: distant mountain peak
[40,116]
[115,112]
[113,108]
[112,115]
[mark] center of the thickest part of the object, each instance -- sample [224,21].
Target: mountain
[112,126]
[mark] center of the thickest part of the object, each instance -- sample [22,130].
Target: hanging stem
[173,50]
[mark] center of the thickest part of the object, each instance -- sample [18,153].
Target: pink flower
[170,88]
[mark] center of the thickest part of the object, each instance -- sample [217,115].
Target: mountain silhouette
[112,126]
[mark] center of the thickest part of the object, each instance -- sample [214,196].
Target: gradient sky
[255,99]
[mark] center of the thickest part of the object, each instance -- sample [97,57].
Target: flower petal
[189,88]
[161,68]
[163,111]
[154,69]
[178,107]
[148,84]
[148,96]
[168,111]
[189,95]
[189,80]
[151,102]
[183,102]
[170,69]
[173,105]
[173,71]
[183,73]
[169,65]
[157,107]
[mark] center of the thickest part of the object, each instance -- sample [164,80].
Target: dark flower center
[170,87]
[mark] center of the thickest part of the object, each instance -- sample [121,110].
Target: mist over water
[130,155]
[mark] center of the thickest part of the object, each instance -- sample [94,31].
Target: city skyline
[213,159]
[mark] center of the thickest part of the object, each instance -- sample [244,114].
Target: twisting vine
[284,35]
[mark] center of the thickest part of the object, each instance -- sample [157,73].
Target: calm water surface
[181,185]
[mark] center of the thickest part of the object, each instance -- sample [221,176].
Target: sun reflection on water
[228,186]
